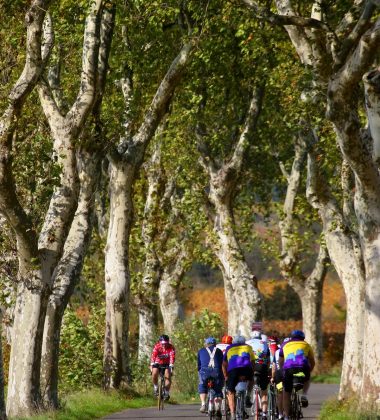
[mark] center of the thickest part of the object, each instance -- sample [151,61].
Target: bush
[81,351]
[188,339]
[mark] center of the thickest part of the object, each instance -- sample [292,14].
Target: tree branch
[87,92]
[33,68]
[236,161]
[159,104]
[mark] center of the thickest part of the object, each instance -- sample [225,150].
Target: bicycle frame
[295,402]
[161,388]
[272,402]
[256,400]
[210,398]
[241,392]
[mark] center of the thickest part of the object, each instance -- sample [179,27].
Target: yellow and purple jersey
[239,356]
[296,354]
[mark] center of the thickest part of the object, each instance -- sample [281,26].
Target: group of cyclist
[234,357]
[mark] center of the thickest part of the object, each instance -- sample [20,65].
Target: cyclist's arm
[281,362]
[172,356]
[224,369]
[153,356]
[311,359]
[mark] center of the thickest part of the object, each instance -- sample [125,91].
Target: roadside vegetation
[347,410]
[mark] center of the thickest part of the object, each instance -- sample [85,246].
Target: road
[317,394]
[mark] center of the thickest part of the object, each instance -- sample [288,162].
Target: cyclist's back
[225,343]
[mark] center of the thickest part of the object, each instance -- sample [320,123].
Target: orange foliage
[214,300]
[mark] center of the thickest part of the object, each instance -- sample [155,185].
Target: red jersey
[163,354]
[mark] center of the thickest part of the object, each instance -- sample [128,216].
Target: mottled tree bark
[125,163]
[308,288]
[240,285]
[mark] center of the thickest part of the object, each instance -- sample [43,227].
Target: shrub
[81,351]
[188,339]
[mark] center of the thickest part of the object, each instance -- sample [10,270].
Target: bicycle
[224,406]
[256,408]
[272,402]
[295,400]
[161,387]
[241,392]
[211,399]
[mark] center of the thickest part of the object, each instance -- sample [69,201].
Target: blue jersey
[204,358]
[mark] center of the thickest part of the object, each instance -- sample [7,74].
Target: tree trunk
[3,415]
[242,295]
[23,396]
[346,256]
[67,275]
[171,308]
[147,330]
[117,276]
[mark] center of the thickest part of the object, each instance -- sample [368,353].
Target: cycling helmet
[256,334]
[164,339]
[227,339]
[297,334]
[238,339]
[273,339]
[210,340]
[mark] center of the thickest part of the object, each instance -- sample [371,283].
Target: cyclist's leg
[168,379]
[202,390]
[288,385]
[263,383]
[306,386]
[155,373]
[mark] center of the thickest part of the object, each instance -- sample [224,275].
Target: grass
[347,410]
[331,376]
[93,404]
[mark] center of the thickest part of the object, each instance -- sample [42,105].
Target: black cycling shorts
[288,377]
[263,379]
[235,374]
[278,376]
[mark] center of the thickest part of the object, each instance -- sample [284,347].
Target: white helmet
[264,337]
[238,339]
[256,334]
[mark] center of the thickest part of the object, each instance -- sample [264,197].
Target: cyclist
[225,342]
[238,361]
[210,360]
[262,359]
[163,355]
[296,355]
[276,373]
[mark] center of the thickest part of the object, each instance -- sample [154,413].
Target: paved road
[317,394]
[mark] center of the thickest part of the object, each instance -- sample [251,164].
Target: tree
[23,388]
[86,158]
[240,285]
[309,288]
[125,162]
[340,47]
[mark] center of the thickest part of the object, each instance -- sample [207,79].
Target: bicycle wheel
[256,404]
[271,404]
[293,405]
[239,407]
[160,398]
[299,407]
[225,408]
[210,405]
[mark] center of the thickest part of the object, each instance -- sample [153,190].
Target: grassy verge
[347,410]
[332,376]
[93,404]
